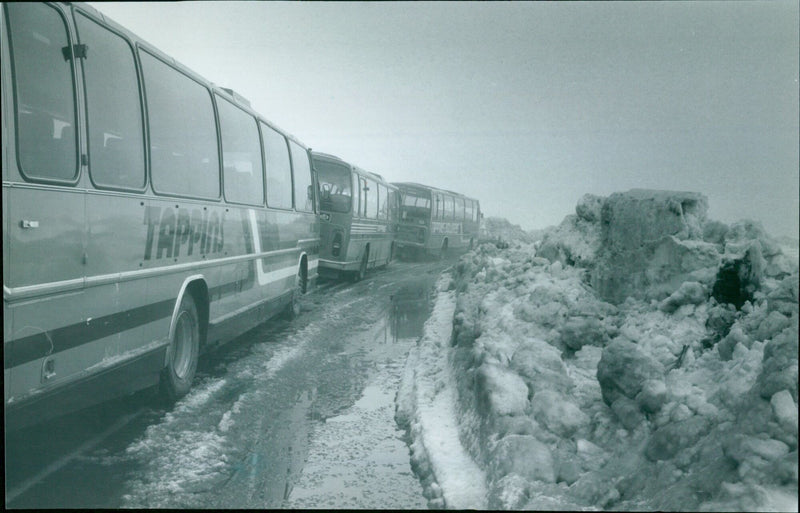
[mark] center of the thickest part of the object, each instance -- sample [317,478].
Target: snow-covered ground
[537,386]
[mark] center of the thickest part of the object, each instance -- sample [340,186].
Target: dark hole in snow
[689,207]
[730,287]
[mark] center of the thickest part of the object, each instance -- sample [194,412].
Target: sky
[526,106]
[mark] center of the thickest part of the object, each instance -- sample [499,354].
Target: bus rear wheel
[293,308]
[184,349]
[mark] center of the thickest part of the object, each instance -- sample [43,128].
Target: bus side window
[363,196]
[45,93]
[243,178]
[302,178]
[113,109]
[383,202]
[279,171]
[183,133]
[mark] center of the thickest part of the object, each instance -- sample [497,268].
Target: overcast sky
[526,106]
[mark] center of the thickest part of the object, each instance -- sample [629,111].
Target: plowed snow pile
[647,358]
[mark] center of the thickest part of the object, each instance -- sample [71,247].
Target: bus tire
[184,349]
[362,268]
[293,309]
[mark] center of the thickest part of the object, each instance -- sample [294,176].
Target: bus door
[44,212]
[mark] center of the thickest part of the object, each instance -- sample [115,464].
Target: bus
[435,221]
[358,217]
[148,215]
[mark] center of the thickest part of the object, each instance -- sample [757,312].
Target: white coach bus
[147,214]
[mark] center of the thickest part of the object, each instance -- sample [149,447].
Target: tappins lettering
[174,232]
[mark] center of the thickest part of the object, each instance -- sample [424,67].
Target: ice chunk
[526,456]
[559,414]
[504,390]
[624,368]
[785,410]
[689,293]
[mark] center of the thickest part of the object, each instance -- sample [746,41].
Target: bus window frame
[362,197]
[176,67]
[71,38]
[215,95]
[352,207]
[314,209]
[264,162]
[142,104]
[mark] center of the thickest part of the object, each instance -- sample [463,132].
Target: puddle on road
[410,308]
[359,458]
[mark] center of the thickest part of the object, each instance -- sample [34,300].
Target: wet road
[293,414]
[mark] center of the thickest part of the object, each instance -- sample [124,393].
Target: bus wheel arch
[302,273]
[187,333]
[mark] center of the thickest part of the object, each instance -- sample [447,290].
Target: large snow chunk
[653,395]
[735,336]
[508,493]
[628,412]
[671,438]
[632,218]
[526,456]
[581,330]
[557,413]
[786,295]
[779,369]
[746,231]
[652,239]
[541,366]
[589,207]
[504,391]
[623,370]
[689,293]
[785,410]
[574,242]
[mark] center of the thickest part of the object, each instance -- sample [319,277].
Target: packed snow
[639,356]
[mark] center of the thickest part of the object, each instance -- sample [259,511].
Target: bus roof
[228,93]
[370,174]
[414,185]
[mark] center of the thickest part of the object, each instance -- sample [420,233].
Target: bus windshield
[335,190]
[415,207]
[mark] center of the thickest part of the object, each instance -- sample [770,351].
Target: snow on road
[427,404]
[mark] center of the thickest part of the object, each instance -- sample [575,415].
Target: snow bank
[640,357]
[499,228]
[426,405]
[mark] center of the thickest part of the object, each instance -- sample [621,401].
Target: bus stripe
[32,347]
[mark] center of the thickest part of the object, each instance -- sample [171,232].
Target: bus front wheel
[184,349]
[443,251]
[362,268]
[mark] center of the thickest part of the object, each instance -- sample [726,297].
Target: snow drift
[639,356]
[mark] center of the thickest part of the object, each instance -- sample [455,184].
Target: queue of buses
[149,215]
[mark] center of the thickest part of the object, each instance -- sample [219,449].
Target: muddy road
[292,414]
